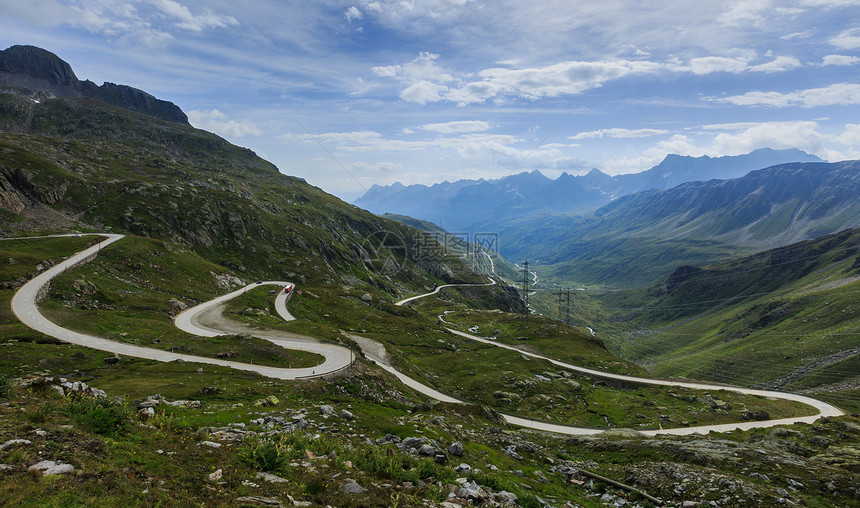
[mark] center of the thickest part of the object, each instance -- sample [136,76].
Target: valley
[153,357]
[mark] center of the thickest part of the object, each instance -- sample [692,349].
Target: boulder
[352,488]
[456,449]
[50,467]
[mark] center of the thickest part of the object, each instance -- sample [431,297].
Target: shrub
[267,455]
[101,416]
[5,386]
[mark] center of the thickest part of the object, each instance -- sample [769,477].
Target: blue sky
[353,93]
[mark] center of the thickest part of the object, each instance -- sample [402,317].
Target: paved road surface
[25,309]
[337,357]
[824,409]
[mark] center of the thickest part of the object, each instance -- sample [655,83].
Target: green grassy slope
[785,318]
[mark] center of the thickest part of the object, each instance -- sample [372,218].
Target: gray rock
[327,410]
[412,443]
[511,451]
[269,477]
[366,298]
[440,458]
[352,488]
[463,468]
[216,476]
[507,497]
[262,501]
[14,442]
[346,415]
[145,413]
[456,449]
[49,467]
[388,439]
[427,450]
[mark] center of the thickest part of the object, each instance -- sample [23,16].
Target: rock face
[34,68]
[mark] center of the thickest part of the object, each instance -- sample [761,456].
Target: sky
[348,94]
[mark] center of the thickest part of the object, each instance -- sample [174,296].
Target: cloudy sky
[351,93]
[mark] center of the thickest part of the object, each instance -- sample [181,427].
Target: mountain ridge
[464,203]
[39,70]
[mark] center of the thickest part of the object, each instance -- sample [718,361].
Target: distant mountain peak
[48,76]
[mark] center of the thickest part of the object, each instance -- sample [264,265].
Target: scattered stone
[689,504]
[456,449]
[346,415]
[14,442]
[388,439]
[440,458]
[427,450]
[299,503]
[263,501]
[352,488]
[366,298]
[463,468]
[145,413]
[50,467]
[211,444]
[269,401]
[176,306]
[412,443]
[214,477]
[269,477]
[511,451]
[327,410]
[186,404]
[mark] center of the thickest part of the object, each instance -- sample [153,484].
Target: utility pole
[567,309]
[560,292]
[526,287]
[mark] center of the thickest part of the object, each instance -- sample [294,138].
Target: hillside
[203,219]
[692,224]
[783,318]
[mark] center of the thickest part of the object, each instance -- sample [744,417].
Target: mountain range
[464,203]
[638,238]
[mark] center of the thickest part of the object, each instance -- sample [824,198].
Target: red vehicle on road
[288,288]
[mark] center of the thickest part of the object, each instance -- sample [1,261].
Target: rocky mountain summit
[37,70]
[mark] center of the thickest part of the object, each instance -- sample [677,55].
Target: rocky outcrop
[41,71]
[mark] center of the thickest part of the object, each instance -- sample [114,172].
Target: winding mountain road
[24,306]
[25,309]
[824,409]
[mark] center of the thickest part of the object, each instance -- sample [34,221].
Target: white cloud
[798,35]
[778,64]
[353,14]
[217,122]
[193,22]
[423,91]
[840,60]
[457,126]
[837,94]
[424,81]
[777,135]
[619,133]
[745,11]
[423,78]
[851,135]
[848,39]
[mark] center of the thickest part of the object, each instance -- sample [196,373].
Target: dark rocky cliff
[37,70]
